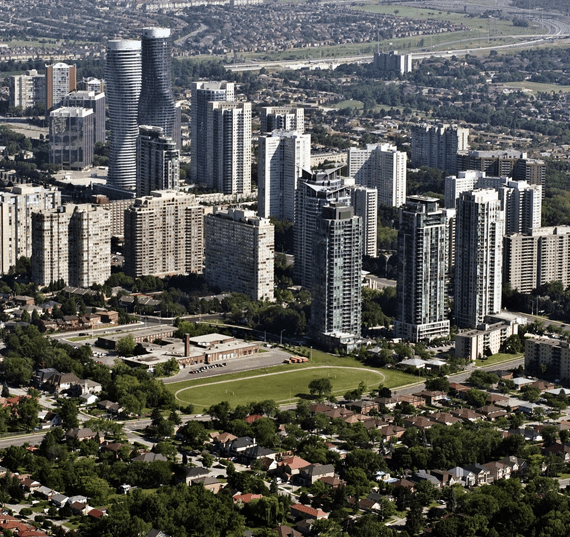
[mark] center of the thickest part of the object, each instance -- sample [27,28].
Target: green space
[497,359]
[537,87]
[351,103]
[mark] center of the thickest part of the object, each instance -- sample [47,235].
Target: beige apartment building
[239,253]
[72,243]
[550,356]
[16,208]
[164,235]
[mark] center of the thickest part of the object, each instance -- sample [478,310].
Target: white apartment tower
[382,167]
[282,156]
[60,80]
[94,101]
[123,87]
[365,203]
[158,161]
[164,235]
[422,271]
[72,137]
[16,208]
[286,118]
[239,253]
[202,94]
[480,228]
[27,90]
[72,243]
[228,147]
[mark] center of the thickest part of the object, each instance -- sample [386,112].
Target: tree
[438,384]
[207,460]
[68,413]
[477,398]
[320,387]
[126,346]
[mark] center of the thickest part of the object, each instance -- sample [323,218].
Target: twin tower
[139,92]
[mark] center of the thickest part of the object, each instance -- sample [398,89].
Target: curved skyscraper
[123,79]
[156,104]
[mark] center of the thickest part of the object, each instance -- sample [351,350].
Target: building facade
[550,355]
[282,156]
[94,101]
[336,306]
[158,161]
[382,167]
[27,91]
[16,208]
[287,118]
[392,62]
[421,291]
[123,87]
[480,225]
[164,235]
[72,137]
[202,94]
[72,243]
[239,253]
[60,80]
[364,200]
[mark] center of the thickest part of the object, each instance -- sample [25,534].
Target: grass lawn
[349,104]
[286,383]
[535,87]
[497,359]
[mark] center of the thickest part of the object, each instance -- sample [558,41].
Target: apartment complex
[550,355]
[202,94]
[164,235]
[540,256]
[72,243]
[436,146]
[486,339]
[239,253]
[27,91]
[72,137]
[336,306]
[60,80]
[16,208]
[422,271]
[392,62]
[158,161]
[286,118]
[94,101]
[282,156]
[364,200]
[480,225]
[382,167]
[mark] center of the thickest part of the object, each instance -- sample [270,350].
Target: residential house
[362,407]
[258,452]
[497,399]
[246,498]
[286,531]
[430,397]
[492,412]
[239,446]
[299,510]
[459,390]
[209,483]
[333,482]
[561,450]
[61,382]
[529,434]
[392,431]
[391,402]
[422,475]
[291,466]
[86,386]
[309,474]
[80,434]
[466,414]
[223,441]
[30,485]
[59,500]
[195,472]
[49,419]
[150,457]
[420,422]
[410,485]
[464,476]
[481,473]
[497,470]
[110,406]
[445,478]
[444,418]
[45,492]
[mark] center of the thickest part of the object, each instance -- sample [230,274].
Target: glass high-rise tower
[123,79]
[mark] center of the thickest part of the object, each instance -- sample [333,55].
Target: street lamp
[281,337]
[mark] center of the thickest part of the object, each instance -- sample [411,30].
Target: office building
[513,164]
[202,94]
[72,138]
[336,305]
[228,147]
[123,79]
[60,80]
[480,229]
[364,200]
[286,118]
[422,271]
[436,146]
[392,62]
[16,208]
[28,91]
[94,101]
[537,257]
[382,167]
[315,190]
[239,253]
[72,243]
[282,156]
[164,235]
[156,102]
[547,357]
[158,161]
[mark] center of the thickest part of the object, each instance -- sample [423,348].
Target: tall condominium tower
[158,161]
[123,79]
[314,192]
[382,167]
[60,80]
[392,62]
[437,146]
[282,156]
[282,118]
[27,90]
[337,285]
[164,234]
[94,101]
[239,253]
[16,208]
[228,147]
[365,204]
[480,227]
[72,243]
[202,94]
[422,256]
[156,103]
[71,137]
